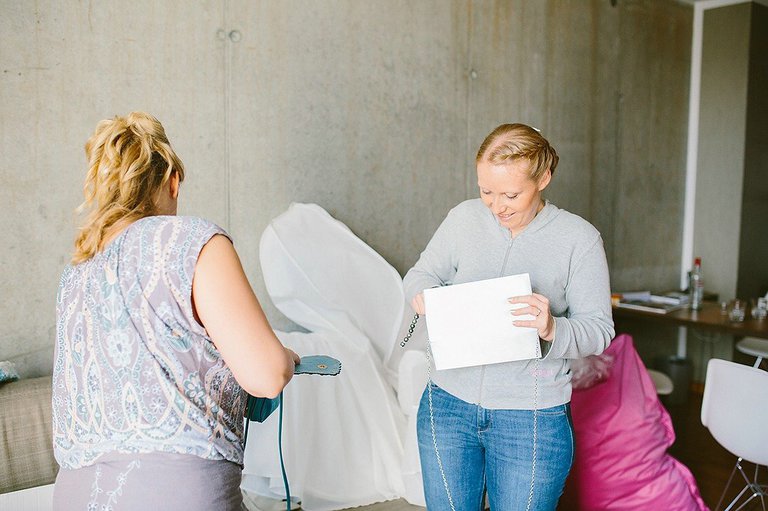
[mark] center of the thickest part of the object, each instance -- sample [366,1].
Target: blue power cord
[282,463]
[279,448]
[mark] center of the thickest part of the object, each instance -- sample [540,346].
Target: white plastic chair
[663,383]
[755,347]
[735,412]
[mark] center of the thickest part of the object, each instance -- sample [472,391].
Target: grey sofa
[26,449]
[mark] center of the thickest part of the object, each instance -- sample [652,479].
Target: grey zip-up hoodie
[564,255]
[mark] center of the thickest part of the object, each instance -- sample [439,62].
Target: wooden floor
[710,463]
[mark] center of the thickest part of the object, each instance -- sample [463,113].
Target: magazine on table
[660,303]
[657,307]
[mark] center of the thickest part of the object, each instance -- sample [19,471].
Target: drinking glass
[738,311]
[760,308]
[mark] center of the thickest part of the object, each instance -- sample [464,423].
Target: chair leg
[736,500]
[727,485]
[754,486]
[757,362]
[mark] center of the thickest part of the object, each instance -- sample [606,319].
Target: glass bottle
[696,285]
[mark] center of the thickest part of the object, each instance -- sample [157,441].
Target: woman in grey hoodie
[505,428]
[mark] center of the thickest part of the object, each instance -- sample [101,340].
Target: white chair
[755,347]
[735,412]
[342,436]
[662,382]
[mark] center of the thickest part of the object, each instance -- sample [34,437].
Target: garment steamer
[260,408]
[432,415]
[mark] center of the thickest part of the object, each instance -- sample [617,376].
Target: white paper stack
[471,324]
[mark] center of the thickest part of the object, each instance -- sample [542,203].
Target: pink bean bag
[622,434]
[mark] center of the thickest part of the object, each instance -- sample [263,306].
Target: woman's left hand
[537,305]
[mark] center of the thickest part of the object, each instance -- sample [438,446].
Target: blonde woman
[158,333]
[506,428]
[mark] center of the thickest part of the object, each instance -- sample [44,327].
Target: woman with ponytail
[158,334]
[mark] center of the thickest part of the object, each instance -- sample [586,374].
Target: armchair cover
[342,436]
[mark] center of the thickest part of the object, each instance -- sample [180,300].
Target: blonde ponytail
[129,162]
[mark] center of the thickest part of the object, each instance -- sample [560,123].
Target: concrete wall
[372,109]
[753,252]
[649,182]
[720,174]
[63,67]
[732,189]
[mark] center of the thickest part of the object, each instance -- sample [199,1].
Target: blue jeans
[492,450]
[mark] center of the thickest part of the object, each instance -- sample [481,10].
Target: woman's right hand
[296,358]
[417,304]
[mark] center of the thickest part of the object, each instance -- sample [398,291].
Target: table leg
[682,341]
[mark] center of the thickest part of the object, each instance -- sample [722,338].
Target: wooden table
[708,318]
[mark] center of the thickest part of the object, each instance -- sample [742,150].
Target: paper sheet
[471,324]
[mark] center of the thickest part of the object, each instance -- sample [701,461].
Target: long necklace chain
[432,425]
[535,428]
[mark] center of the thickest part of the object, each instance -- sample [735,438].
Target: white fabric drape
[342,436]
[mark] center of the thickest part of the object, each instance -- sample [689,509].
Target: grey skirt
[170,482]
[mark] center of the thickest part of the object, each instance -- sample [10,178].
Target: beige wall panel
[753,253]
[571,96]
[356,106]
[655,41]
[508,54]
[722,129]
[556,66]
[65,66]
[604,160]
